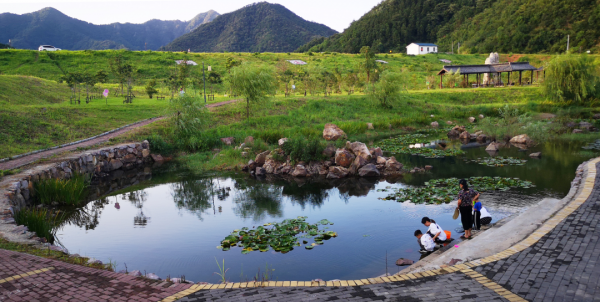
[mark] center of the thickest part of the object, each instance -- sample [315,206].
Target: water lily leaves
[416,144]
[498,161]
[309,247]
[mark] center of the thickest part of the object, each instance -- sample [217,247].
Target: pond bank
[509,232]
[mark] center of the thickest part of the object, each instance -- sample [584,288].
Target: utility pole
[568,40]
[204,80]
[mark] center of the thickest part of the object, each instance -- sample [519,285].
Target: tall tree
[368,64]
[252,82]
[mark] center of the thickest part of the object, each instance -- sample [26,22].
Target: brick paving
[68,282]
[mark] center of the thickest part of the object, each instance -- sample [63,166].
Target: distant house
[421,48]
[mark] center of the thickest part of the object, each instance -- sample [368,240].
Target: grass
[39,220]
[68,192]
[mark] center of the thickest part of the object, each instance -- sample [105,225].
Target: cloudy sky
[337,14]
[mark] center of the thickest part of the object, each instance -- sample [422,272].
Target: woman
[465,206]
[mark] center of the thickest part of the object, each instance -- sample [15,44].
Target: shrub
[159,145]
[64,191]
[40,221]
[387,90]
[189,121]
[572,78]
[302,149]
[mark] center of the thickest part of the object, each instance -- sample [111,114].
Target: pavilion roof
[492,68]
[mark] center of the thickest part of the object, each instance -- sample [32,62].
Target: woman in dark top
[465,206]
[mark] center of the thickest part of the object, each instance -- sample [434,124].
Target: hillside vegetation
[50,26]
[261,27]
[480,26]
[24,90]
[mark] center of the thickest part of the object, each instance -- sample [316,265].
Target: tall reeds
[40,221]
[63,191]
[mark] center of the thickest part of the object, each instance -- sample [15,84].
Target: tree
[150,88]
[73,79]
[118,69]
[387,90]
[190,119]
[89,81]
[369,64]
[252,82]
[572,78]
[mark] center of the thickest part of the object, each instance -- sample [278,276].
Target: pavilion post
[520,78]
[508,79]
[537,76]
[531,79]
[467,80]
[441,77]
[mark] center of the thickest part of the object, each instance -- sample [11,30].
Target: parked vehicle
[48,48]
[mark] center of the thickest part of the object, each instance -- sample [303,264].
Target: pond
[170,222]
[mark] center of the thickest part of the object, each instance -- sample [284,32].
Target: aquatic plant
[63,191]
[498,161]
[446,190]
[222,271]
[40,221]
[281,237]
[402,144]
[302,149]
[593,146]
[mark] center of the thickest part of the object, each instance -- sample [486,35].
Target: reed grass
[41,221]
[63,191]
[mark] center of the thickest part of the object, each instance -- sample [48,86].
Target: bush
[40,221]
[159,145]
[387,90]
[190,119]
[572,78]
[302,149]
[63,191]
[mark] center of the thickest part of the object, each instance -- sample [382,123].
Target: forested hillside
[261,27]
[482,26]
[50,26]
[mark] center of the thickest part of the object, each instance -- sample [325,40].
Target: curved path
[555,263]
[25,160]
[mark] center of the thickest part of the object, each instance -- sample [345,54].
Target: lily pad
[416,144]
[498,161]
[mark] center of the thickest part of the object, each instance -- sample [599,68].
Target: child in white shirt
[425,241]
[434,230]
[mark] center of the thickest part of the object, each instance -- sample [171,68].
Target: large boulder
[359,149]
[333,132]
[492,147]
[465,136]
[368,171]
[336,172]
[344,158]
[227,141]
[261,158]
[300,171]
[381,160]
[270,166]
[453,133]
[536,155]
[393,165]
[376,152]
[482,138]
[157,158]
[252,165]
[260,171]
[460,129]
[359,162]
[521,139]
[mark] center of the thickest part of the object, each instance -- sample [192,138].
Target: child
[425,241]
[481,215]
[434,230]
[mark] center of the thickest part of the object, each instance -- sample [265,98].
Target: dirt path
[25,160]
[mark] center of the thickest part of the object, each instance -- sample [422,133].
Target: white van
[48,48]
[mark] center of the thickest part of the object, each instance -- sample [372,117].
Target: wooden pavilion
[492,69]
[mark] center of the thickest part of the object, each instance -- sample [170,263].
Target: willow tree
[387,90]
[252,82]
[369,64]
[572,78]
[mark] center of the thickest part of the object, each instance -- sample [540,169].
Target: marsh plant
[304,149]
[512,122]
[63,191]
[41,221]
[222,271]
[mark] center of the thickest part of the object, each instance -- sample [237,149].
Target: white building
[421,48]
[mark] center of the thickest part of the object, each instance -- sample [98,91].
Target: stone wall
[16,191]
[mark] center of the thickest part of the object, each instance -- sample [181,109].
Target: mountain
[50,26]
[260,27]
[481,26]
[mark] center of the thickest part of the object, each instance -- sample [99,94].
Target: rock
[270,166]
[368,171]
[571,125]
[249,140]
[435,124]
[117,164]
[336,172]
[453,134]
[157,158]
[359,149]
[536,155]
[282,141]
[481,116]
[329,151]
[460,129]
[261,158]
[392,164]
[488,78]
[370,126]
[227,140]
[135,273]
[381,160]
[432,116]
[153,276]
[259,171]
[597,116]
[465,136]
[333,132]
[314,168]
[252,165]
[145,153]
[449,123]
[402,262]
[454,262]
[300,171]
[244,154]
[360,162]
[344,158]
[472,120]
[428,167]
[520,139]
[60,249]
[492,147]
[482,138]
[577,131]
[585,126]
[376,152]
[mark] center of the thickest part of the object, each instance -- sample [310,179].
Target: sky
[337,14]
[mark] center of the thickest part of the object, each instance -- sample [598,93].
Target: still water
[170,223]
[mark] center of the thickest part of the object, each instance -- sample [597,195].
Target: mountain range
[50,26]
[259,27]
[480,26]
